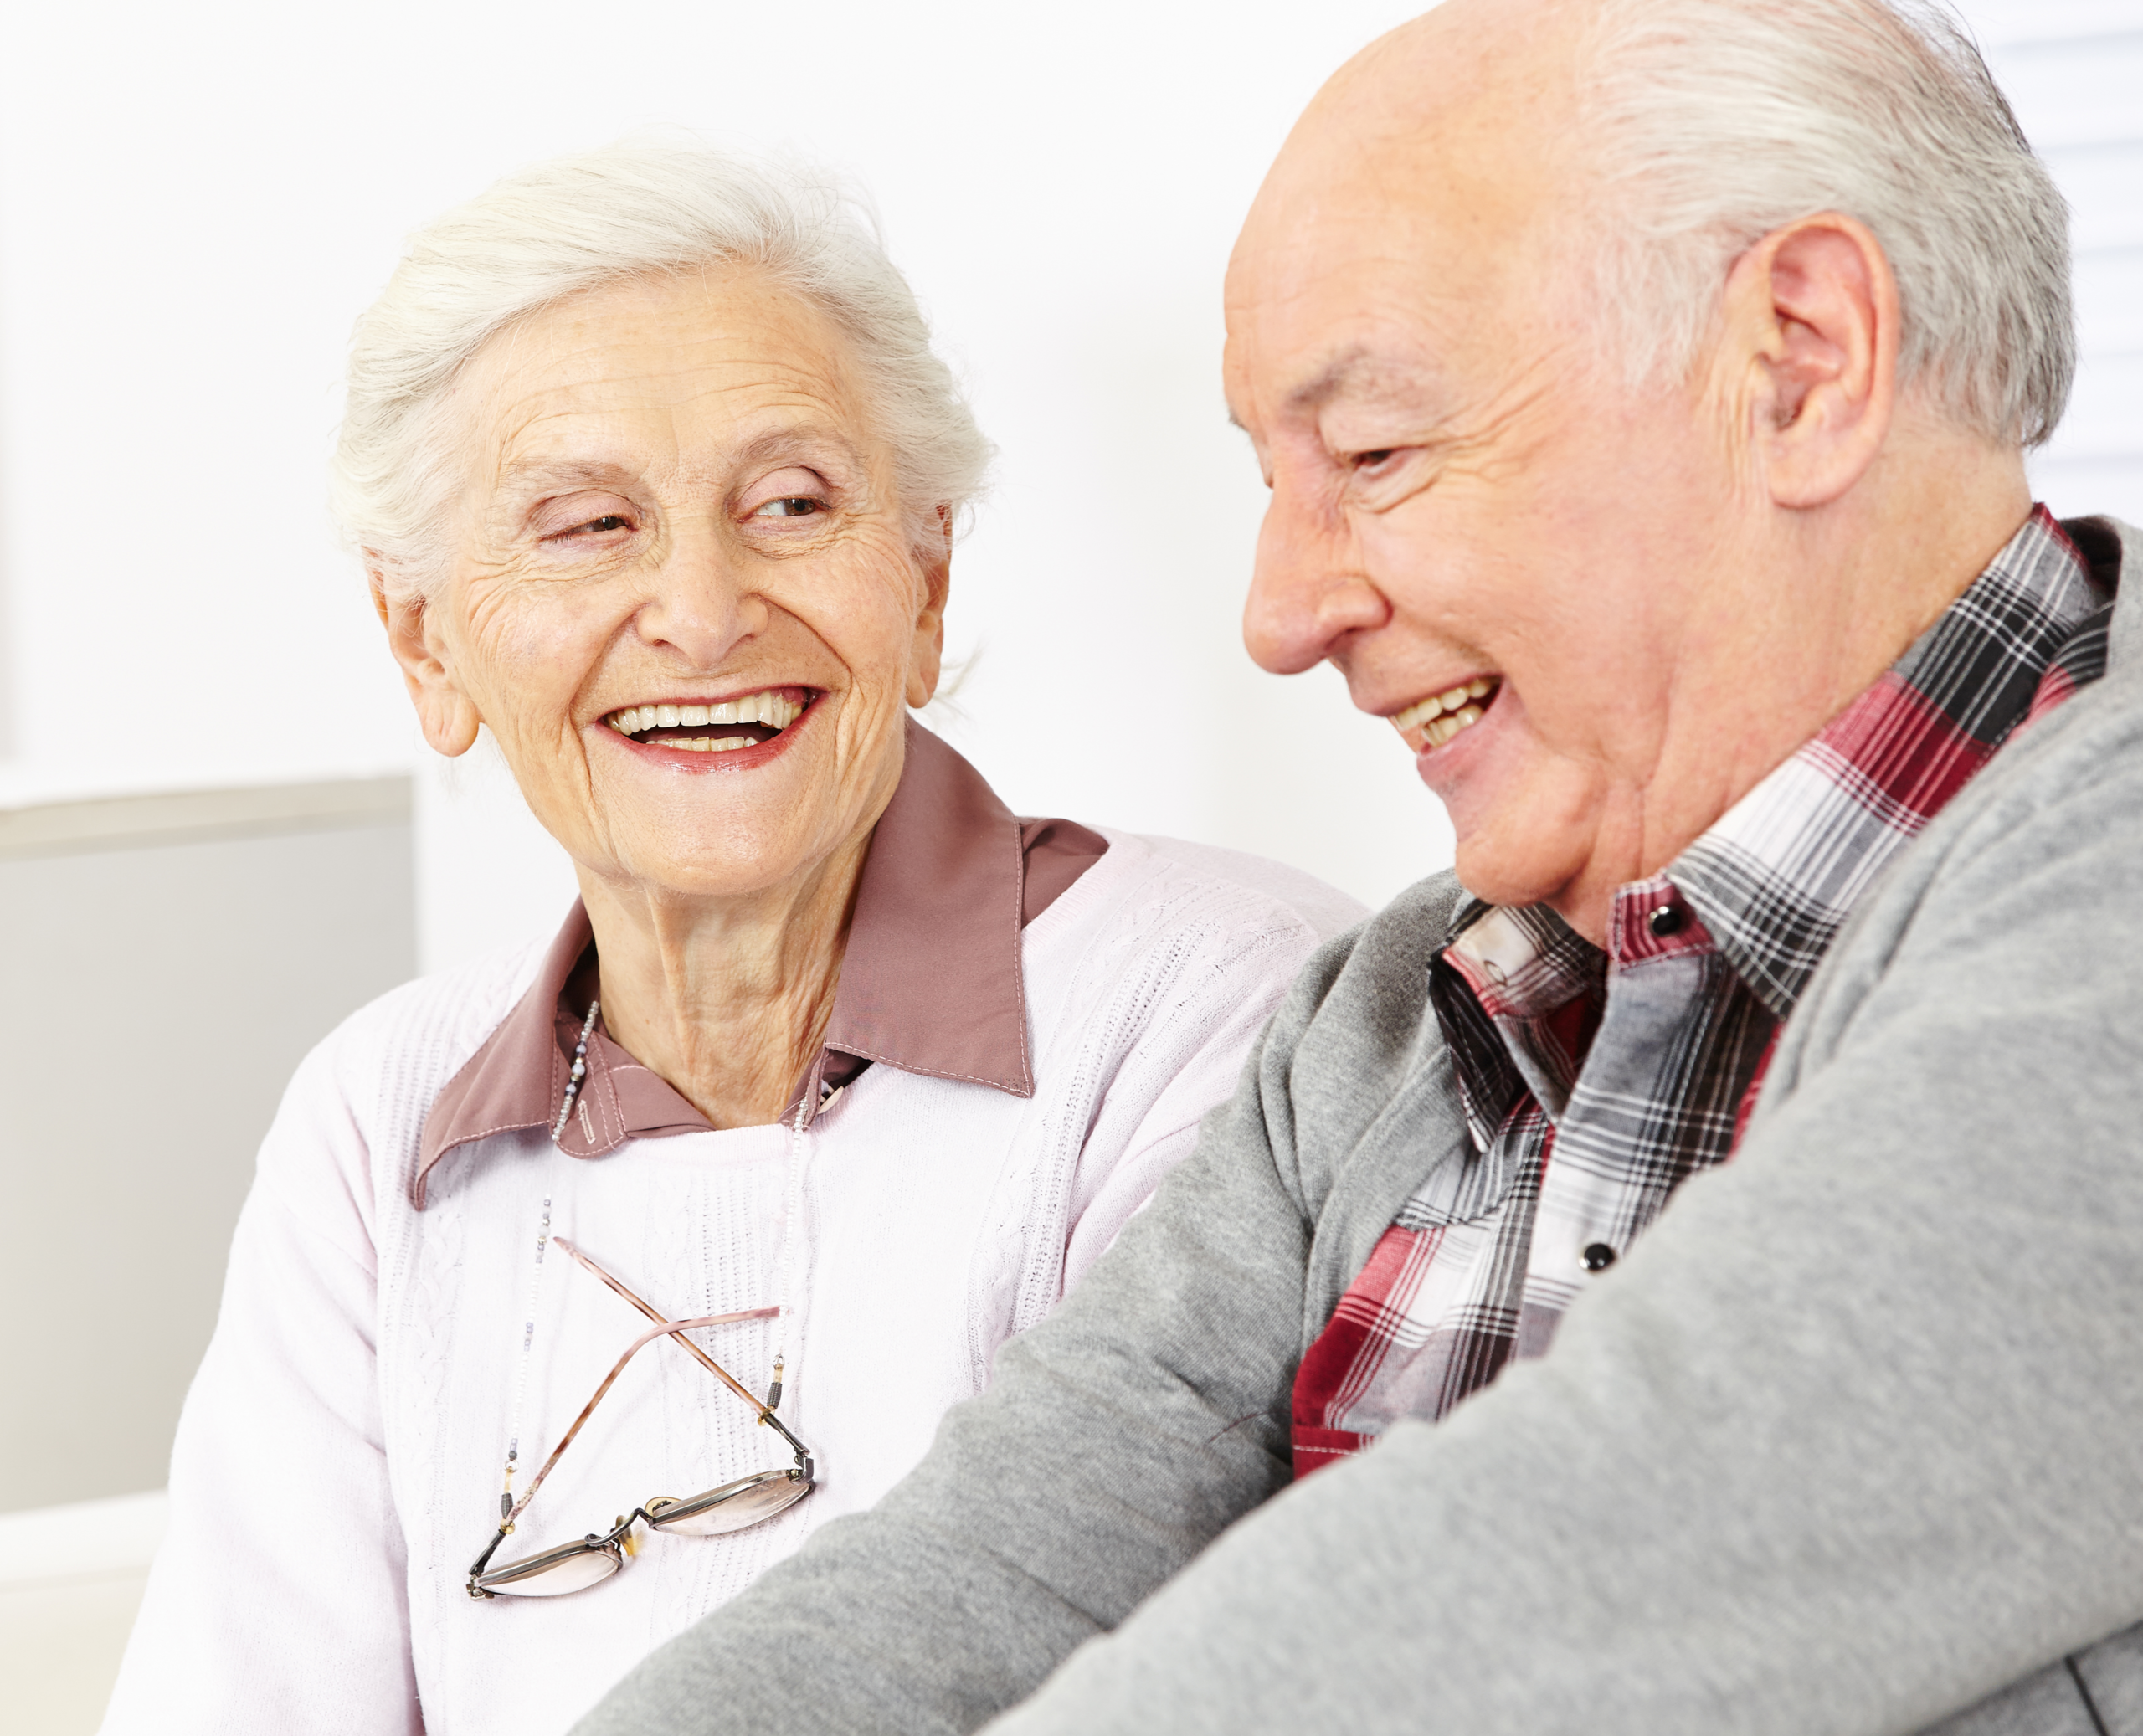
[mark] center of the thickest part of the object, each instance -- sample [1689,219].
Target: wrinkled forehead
[1365,306]
[706,362]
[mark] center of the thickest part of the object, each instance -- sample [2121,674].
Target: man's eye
[790,507]
[1370,461]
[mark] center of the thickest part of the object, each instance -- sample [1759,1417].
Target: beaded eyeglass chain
[579,1070]
[542,1242]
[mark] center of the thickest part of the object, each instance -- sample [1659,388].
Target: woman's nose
[702,603]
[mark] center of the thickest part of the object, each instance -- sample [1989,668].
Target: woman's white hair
[635,208]
[1712,122]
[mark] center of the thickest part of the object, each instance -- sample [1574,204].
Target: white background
[196,202]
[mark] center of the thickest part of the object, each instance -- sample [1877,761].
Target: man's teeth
[776,709]
[1441,716]
[1444,728]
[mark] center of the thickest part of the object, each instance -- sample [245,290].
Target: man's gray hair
[1713,122]
[634,208]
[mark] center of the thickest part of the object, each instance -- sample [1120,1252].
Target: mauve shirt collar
[930,982]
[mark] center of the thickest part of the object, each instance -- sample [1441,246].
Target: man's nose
[702,603]
[1307,591]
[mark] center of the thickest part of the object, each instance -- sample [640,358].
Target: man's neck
[1827,601]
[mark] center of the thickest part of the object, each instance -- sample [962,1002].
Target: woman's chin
[715,826]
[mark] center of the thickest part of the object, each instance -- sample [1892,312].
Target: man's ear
[929,655]
[447,716]
[1814,308]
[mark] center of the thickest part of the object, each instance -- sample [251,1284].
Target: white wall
[195,201]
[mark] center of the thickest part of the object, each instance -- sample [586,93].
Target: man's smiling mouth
[1441,716]
[721,726]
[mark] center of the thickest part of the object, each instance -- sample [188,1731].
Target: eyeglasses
[733,1507]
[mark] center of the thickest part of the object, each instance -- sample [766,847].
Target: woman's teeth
[1441,716]
[774,710]
[712,744]
[768,707]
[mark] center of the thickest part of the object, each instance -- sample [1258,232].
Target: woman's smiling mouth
[1441,716]
[716,726]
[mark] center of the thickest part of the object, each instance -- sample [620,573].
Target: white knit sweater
[338,1462]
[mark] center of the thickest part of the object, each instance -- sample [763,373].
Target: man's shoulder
[2033,875]
[1359,1102]
[1365,991]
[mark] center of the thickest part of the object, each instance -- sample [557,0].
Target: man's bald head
[1424,146]
[1470,77]
[1635,379]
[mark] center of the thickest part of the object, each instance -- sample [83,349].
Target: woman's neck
[728,1000]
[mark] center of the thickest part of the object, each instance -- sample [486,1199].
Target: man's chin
[1505,855]
[1490,875]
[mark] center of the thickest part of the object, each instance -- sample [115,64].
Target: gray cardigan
[1852,1440]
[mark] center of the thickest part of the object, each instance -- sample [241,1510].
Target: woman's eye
[790,507]
[608,525]
[1370,461]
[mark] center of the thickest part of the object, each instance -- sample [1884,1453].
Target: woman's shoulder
[1262,883]
[389,1059]
[1165,885]
[345,1134]
[1172,920]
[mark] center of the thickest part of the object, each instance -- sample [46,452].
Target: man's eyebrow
[1357,372]
[1335,377]
[1328,382]
[1376,380]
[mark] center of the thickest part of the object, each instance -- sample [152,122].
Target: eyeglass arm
[667,1328]
[677,1332]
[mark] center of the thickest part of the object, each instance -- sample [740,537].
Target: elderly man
[1644,386]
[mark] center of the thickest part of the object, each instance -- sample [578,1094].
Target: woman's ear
[927,660]
[1814,308]
[448,716]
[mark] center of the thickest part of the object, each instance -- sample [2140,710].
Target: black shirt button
[1668,919]
[1598,1256]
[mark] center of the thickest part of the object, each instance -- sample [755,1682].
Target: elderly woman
[836,1077]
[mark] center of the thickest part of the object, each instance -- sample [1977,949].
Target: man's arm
[1853,1438]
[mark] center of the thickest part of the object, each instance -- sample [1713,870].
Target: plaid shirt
[1595,1083]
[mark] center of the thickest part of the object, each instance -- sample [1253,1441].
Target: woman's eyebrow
[800,439]
[520,477]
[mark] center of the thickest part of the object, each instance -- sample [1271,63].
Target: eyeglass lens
[720,1511]
[574,1567]
[554,1574]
